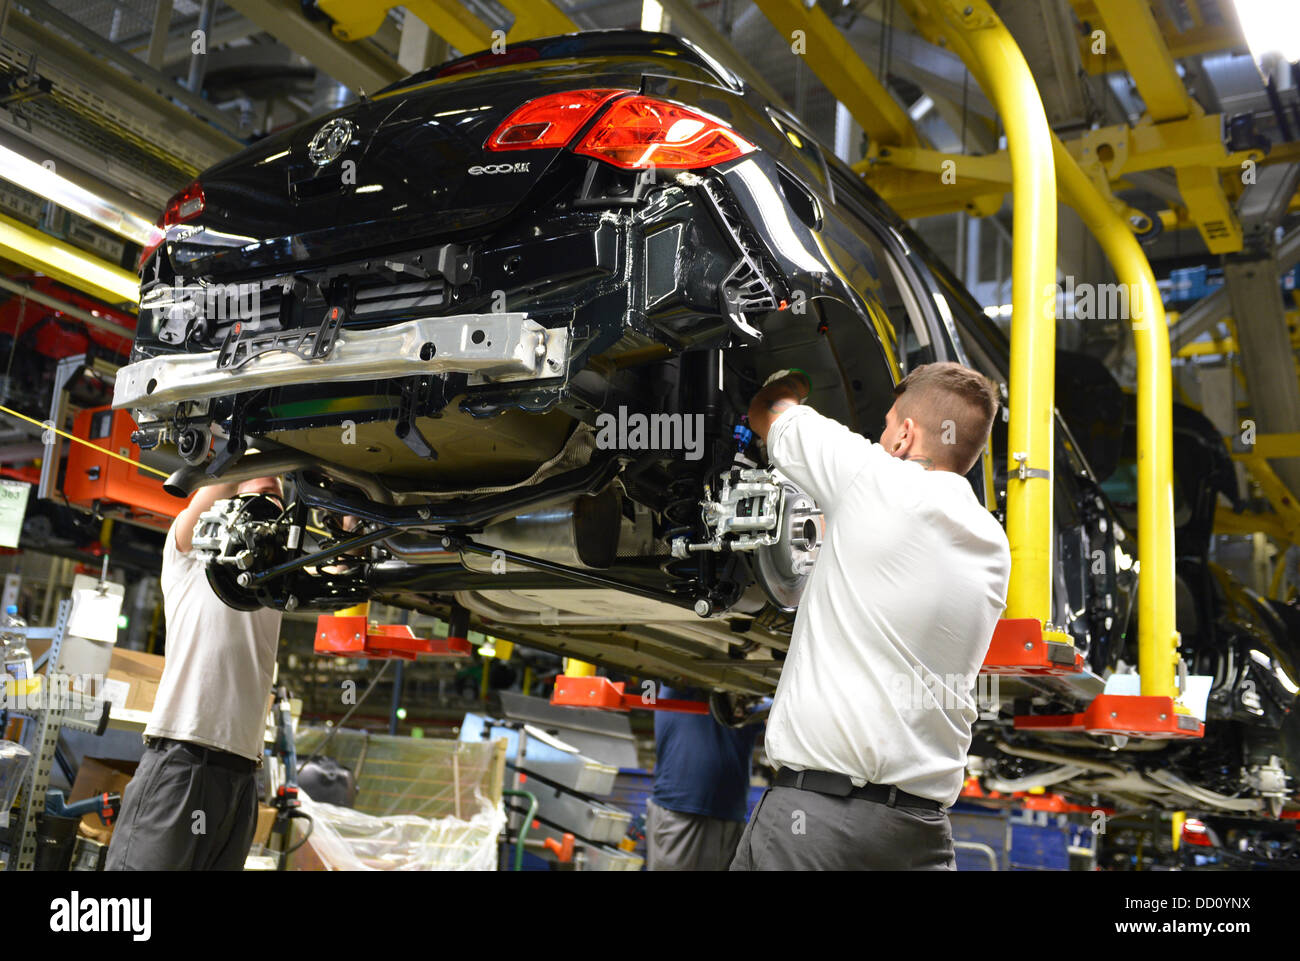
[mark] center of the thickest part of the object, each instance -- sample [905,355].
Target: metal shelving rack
[49,722]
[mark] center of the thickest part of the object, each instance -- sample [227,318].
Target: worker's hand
[798,379]
[781,391]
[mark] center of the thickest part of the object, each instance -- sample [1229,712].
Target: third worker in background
[697,810]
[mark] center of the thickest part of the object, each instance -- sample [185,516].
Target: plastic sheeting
[426,777]
[345,839]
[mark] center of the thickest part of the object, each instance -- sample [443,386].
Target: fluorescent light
[652,16]
[921,107]
[1270,26]
[44,182]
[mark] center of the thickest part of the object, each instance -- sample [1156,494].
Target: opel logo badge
[330,141]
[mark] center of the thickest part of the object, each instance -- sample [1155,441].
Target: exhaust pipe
[579,532]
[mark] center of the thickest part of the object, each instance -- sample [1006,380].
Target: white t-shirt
[896,618]
[216,680]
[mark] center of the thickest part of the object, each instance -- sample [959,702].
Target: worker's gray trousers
[794,830]
[688,842]
[182,814]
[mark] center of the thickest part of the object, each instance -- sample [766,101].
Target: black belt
[205,755]
[841,785]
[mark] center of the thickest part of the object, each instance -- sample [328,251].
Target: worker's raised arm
[820,455]
[204,498]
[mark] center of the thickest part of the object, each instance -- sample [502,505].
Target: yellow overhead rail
[832,58]
[906,177]
[974,31]
[1181,41]
[65,263]
[1130,29]
[358,19]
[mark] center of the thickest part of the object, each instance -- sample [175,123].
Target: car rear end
[487,225]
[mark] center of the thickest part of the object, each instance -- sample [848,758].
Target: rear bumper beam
[496,347]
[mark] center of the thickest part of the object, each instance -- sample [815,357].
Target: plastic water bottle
[17,656]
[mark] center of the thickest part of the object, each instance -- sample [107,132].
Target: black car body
[456,344]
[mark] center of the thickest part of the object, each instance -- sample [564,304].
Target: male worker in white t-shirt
[872,716]
[192,805]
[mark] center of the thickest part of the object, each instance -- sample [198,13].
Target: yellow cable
[45,425]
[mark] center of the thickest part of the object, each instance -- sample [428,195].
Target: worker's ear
[905,439]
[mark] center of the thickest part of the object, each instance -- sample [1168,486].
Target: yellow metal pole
[974,31]
[1157,634]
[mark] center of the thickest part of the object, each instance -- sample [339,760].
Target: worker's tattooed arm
[777,396]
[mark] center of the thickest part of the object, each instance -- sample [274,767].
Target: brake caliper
[759,512]
[239,535]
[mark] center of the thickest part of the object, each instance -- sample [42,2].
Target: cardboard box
[141,672]
[132,678]
[265,821]
[95,776]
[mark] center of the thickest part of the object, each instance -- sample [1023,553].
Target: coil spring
[682,515]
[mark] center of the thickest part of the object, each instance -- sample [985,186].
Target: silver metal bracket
[1024,472]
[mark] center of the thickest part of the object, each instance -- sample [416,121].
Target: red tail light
[549,121]
[640,132]
[186,205]
[1194,832]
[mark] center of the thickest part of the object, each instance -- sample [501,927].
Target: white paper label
[115,692]
[94,615]
[13,507]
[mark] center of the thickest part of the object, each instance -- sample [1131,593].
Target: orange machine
[97,482]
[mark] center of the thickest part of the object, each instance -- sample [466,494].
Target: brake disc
[782,569]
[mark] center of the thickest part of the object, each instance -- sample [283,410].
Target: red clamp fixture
[601,692]
[1021,648]
[351,635]
[1129,715]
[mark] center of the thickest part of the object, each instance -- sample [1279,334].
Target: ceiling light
[43,181]
[1270,27]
